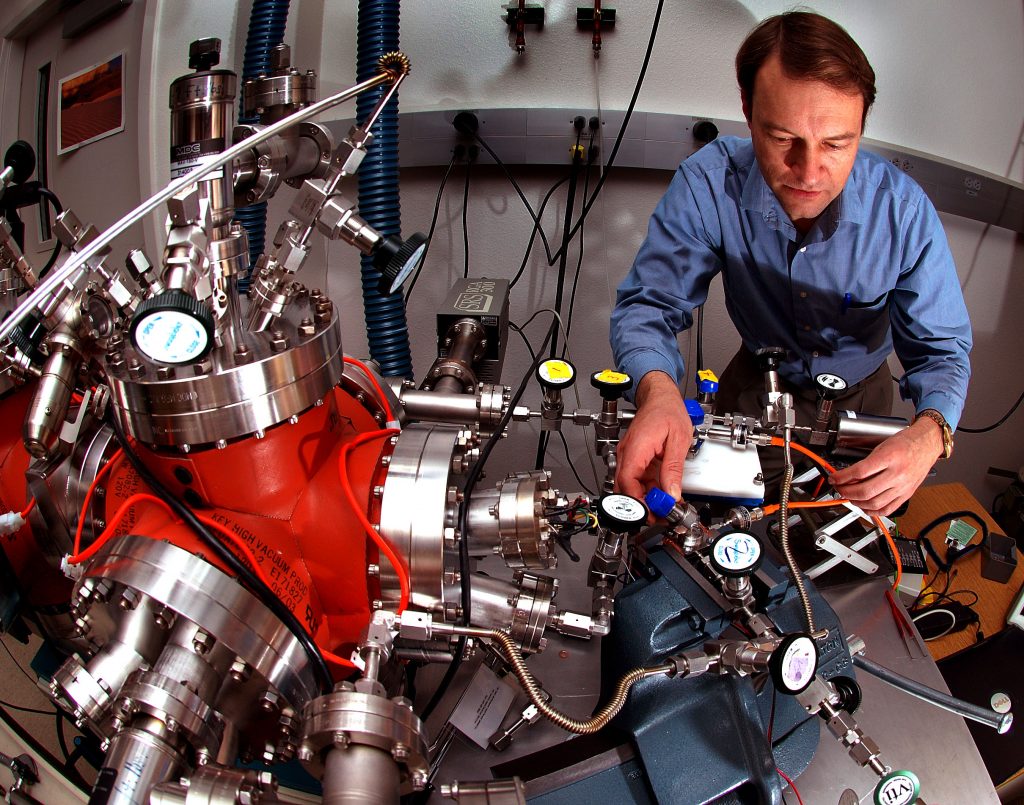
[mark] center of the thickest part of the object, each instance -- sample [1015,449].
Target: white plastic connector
[11,522]
[73,572]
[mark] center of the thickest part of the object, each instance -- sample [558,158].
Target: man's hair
[810,47]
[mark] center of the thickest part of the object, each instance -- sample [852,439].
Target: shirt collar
[758,197]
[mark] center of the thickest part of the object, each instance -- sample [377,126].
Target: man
[827,251]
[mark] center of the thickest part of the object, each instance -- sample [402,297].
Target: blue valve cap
[695,411]
[659,502]
[707,386]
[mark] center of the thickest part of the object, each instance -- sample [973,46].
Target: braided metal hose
[794,569]
[567,723]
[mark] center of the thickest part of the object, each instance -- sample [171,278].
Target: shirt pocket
[862,320]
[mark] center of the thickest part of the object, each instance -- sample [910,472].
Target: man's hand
[893,471]
[654,448]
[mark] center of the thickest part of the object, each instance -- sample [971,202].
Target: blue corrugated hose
[386,329]
[266,31]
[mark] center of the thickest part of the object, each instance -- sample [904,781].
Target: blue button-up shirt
[874,273]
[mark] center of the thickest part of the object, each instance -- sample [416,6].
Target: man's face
[805,136]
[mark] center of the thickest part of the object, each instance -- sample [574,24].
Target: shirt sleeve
[931,329]
[669,278]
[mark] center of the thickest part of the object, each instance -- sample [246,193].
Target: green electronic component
[959,534]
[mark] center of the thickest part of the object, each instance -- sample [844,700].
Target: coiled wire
[387,332]
[600,719]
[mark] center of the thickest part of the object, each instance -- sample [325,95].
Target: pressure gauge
[556,374]
[397,260]
[829,385]
[737,553]
[794,663]
[621,513]
[173,328]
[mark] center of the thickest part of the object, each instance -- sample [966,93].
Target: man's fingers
[672,466]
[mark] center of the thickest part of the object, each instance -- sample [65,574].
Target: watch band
[947,432]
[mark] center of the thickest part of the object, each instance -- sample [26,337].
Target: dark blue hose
[386,329]
[266,31]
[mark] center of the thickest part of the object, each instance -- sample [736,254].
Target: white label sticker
[482,707]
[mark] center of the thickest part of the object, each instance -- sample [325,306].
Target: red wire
[88,496]
[878,520]
[382,544]
[783,775]
[373,381]
[28,509]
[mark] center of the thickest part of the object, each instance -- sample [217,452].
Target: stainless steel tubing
[1000,722]
[78,259]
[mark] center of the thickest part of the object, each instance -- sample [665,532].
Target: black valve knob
[21,159]
[704,131]
[29,335]
[397,259]
[173,328]
[611,384]
[621,514]
[204,54]
[769,358]
[829,386]
[556,374]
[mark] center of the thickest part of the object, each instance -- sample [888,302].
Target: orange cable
[373,381]
[805,504]
[382,544]
[88,497]
[821,462]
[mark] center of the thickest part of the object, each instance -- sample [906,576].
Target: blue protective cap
[659,502]
[695,411]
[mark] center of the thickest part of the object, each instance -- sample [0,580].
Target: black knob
[21,159]
[29,335]
[556,374]
[611,384]
[850,695]
[396,259]
[769,358]
[829,386]
[704,131]
[621,514]
[466,123]
[204,54]
[173,328]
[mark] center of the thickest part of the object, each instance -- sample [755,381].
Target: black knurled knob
[396,260]
[204,54]
[611,384]
[173,327]
[769,358]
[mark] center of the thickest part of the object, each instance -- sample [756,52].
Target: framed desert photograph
[91,104]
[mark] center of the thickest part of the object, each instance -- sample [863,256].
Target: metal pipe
[78,259]
[1000,722]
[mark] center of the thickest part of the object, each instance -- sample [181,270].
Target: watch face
[736,551]
[623,507]
[171,336]
[830,381]
[556,371]
[799,664]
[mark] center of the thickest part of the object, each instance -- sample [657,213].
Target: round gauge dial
[556,374]
[173,328]
[794,664]
[621,513]
[737,553]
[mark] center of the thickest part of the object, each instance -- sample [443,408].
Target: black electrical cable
[1006,416]
[579,261]
[568,460]
[37,747]
[465,224]
[536,229]
[622,130]
[471,479]
[227,556]
[433,223]
[951,555]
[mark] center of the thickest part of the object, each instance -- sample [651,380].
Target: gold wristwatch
[947,432]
